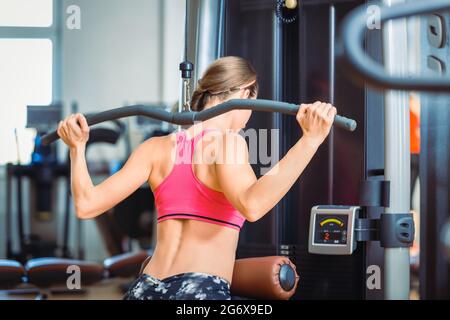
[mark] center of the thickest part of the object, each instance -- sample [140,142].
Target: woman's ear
[245,94]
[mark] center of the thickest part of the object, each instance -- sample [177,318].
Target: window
[26,13]
[27,69]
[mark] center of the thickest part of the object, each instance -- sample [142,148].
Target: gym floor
[106,290]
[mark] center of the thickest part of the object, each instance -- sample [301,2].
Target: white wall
[126,52]
[173,38]
[114,57]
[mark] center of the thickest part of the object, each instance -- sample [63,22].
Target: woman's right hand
[74,131]
[316,120]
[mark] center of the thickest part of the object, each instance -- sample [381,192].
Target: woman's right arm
[92,200]
[255,197]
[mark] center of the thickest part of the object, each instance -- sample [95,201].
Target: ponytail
[222,78]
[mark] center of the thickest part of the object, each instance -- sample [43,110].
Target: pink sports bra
[183,196]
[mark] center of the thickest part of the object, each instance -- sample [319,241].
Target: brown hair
[223,77]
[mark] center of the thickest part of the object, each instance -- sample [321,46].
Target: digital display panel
[331,229]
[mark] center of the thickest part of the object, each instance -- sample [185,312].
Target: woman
[203,191]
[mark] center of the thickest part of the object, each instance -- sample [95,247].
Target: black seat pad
[11,273]
[125,265]
[45,272]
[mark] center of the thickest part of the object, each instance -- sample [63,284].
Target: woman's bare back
[185,245]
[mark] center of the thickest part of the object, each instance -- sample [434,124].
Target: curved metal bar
[354,59]
[190,118]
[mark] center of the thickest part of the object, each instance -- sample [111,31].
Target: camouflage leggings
[185,286]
